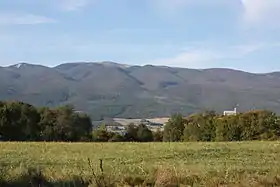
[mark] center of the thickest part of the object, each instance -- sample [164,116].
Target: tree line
[210,126]
[132,133]
[23,122]
[20,121]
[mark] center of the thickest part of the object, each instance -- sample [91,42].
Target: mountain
[109,89]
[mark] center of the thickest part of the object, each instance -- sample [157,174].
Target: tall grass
[148,164]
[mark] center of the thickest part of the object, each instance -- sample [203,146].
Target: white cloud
[255,12]
[190,59]
[206,57]
[261,11]
[72,5]
[23,19]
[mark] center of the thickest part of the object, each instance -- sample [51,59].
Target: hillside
[116,90]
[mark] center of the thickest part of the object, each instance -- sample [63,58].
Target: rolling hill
[115,90]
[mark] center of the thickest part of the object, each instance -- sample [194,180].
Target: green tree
[47,125]
[158,136]
[82,126]
[23,122]
[9,127]
[200,127]
[29,121]
[269,125]
[19,121]
[64,126]
[173,130]
[192,132]
[101,134]
[259,125]
[144,134]
[228,128]
[131,133]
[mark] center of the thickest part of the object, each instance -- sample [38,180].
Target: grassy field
[201,164]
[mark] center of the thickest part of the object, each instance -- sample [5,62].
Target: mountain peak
[114,64]
[19,65]
[24,65]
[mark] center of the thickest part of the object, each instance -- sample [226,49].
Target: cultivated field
[203,164]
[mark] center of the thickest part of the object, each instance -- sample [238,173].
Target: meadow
[161,164]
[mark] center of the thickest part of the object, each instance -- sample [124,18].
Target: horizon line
[140,65]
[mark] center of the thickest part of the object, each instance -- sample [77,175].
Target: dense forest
[23,122]
[209,126]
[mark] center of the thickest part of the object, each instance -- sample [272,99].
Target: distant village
[118,125]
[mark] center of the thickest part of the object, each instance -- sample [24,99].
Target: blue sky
[240,34]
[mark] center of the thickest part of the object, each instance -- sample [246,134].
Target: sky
[239,34]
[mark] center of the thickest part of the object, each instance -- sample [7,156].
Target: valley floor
[203,164]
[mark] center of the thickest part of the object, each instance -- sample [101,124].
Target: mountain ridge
[109,89]
[127,65]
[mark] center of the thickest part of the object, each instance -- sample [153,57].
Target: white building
[229,112]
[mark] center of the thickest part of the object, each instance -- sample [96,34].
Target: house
[233,112]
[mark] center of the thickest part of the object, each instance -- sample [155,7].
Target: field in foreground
[205,164]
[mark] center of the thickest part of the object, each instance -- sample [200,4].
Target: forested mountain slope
[115,90]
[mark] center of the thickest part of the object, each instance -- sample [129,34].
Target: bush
[138,133]
[117,138]
[158,136]
[101,134]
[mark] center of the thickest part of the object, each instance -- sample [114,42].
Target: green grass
[205,163]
